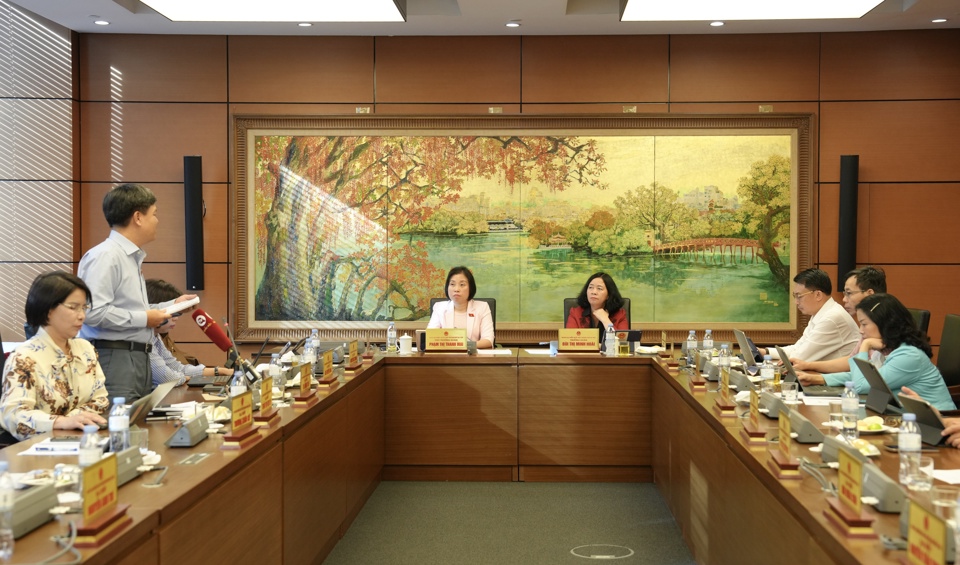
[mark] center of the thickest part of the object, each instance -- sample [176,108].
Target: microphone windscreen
[213,332]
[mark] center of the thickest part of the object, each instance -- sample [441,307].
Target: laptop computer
[746,344]
[809,390]
[880,399]
[145,404]
[928,419]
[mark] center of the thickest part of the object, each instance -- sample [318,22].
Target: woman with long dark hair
[599,305]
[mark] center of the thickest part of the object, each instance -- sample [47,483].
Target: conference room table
[518,415]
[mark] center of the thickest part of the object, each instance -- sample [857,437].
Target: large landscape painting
[697,226]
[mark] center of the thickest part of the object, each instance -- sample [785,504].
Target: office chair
[948,359]
[569,303]
[922,317]
[491,302]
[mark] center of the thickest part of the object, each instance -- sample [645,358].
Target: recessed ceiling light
[101,22]
[280,10]
[716,24]
[513,23]
[304,24]
[711,10]
[939,20]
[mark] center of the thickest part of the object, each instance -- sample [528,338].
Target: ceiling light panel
[281,10]
[707,10]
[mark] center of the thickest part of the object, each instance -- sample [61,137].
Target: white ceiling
[485,17]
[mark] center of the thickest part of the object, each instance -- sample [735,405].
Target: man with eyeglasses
[120,324]
[860,283]
[831,332]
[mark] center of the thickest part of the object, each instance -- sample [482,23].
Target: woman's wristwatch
[216,371]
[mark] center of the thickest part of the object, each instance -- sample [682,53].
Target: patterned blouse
[41,382]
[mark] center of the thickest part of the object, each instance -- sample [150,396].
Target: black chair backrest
[491,302]
[569,303]
[948,359]
[922,317]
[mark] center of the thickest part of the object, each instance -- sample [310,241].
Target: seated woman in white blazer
[462,311]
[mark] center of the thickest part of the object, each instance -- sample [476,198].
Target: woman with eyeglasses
[53,381]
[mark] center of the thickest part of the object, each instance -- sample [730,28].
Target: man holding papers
[120,323]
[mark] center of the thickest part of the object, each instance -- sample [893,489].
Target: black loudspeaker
[847,238]
[193,220]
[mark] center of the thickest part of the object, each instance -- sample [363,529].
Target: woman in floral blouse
[53,381]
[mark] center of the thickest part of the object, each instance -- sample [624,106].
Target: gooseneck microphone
[215,333]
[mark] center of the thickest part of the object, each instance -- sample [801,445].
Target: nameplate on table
[241,407]
[304,397]
[328,365]
[100,489]
[926,536]
[266,394]
[781,462]
[850,481]
[354,360]
[578,340]
[446,339]
[752,432]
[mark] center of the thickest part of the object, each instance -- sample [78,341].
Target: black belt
[127,345]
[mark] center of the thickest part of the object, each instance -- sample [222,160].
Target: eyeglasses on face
[849,293]
[802,294]
[77,307]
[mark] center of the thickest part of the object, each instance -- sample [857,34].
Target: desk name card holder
[191,432]
[268,414]
[578,340]
[933,537]
[304,396]
[103,518]
[353,360]
[445,340]
[326,378]
[752,433]
[783,464]
[845,511]
[723,403]
[243,433]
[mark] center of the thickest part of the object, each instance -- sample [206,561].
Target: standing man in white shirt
[120,323]
[831,332]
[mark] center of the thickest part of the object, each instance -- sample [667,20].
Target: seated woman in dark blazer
[598,306]
[462,311]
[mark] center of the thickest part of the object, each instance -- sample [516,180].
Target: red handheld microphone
[213,331]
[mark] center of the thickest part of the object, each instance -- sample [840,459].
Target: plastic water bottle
[724,361]
[850,406]
[610,342]
[275,370]
[766,372]
[90,450]
[908,444]
[6,512]
[692,348]
[708,342]
[119,424]
[392,338]
[238,384]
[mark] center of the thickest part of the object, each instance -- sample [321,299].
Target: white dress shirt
[830,333]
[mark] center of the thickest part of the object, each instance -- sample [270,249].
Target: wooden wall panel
[908,223]
[929,287]
[706,68]
[743,108]
[590,68]
[448,69]
[445,109]
[155,138]
[257,109]
[890,65]
[170,245]
[587,108]
[156,68]
[907,141]
[828,217]
[301,69]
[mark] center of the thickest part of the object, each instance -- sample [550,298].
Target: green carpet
[424,523]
